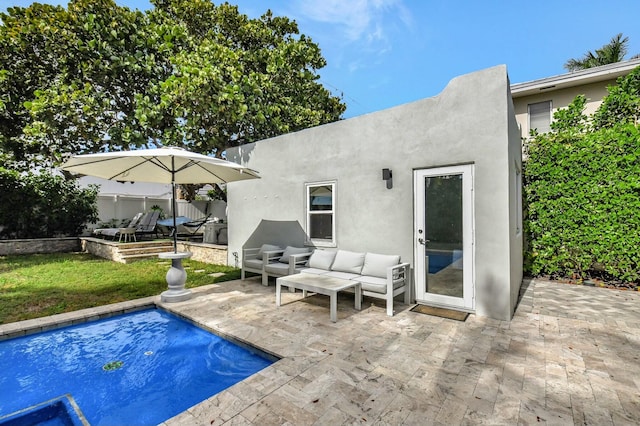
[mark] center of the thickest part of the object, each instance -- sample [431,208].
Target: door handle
[423,241]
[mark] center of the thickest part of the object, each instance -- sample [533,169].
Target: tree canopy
[97,76]
[610,53]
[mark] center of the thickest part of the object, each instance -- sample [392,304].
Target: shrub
[40,205]
[582,190]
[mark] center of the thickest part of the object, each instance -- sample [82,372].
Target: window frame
[549,103]
[308,186]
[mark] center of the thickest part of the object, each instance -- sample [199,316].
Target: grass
[33,286]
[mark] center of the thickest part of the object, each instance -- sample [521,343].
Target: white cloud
[357,20]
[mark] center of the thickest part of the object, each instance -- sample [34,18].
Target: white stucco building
[452,193]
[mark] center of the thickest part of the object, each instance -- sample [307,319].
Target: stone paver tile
[452,411]
[506,409]
[333,416]
[597,415]
[488,384]
[532,412]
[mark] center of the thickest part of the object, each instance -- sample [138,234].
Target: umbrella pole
[173,211]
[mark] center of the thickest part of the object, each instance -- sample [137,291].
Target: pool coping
[52,322]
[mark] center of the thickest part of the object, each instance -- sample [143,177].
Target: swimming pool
[140,368]
[440,259]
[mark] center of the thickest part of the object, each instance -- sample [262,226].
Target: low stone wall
[207,253]
[101,248]
[41,245]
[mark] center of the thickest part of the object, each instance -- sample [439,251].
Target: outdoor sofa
[381,276]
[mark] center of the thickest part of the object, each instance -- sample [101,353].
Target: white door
[444,237]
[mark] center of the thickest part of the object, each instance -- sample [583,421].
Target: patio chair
[292,261]
[123,231]
[149,224]
[254,259]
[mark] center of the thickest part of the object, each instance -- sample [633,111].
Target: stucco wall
[468,123]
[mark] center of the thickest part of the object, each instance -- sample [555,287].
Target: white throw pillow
[375,265]
[292,250]
[322,259]
[348,261]
[267,247]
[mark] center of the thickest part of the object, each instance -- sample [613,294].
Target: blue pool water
[438,260]
[135,369]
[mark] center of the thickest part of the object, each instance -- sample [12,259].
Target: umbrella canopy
[159,165]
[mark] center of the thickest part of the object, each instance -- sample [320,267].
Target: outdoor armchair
[254,259]
[292,261]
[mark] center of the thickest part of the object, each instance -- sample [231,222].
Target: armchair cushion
[376,264]
[252,263]
[277,268]
[292,250]
[322,259]
[348,261]
[267,247]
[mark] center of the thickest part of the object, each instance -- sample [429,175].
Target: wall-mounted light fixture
[387,175]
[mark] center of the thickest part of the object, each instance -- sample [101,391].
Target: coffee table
[320,284]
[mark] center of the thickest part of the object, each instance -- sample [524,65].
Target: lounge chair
[185,225]
[123,231]
[148,224]
[192,227]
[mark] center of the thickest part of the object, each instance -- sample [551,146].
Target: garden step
[135,257]
[143,250]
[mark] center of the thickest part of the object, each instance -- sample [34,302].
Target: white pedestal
[176,278]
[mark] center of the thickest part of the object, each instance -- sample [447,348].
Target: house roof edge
[576,78]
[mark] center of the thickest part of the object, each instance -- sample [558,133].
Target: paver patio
[571,355]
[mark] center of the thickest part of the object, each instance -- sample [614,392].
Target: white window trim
[308,213]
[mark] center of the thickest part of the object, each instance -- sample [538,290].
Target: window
[321,205]
[540,116]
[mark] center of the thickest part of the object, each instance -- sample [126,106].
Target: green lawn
[33,286]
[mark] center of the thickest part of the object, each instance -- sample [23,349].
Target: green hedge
[582,190]
[42,205]
[583,204]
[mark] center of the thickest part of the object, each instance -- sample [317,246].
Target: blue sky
[383,53]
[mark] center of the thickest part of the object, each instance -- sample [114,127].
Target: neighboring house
[536,101]
[450,205]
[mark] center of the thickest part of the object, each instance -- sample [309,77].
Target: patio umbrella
[159,165]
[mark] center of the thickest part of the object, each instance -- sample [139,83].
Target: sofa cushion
[322,259]
[342,275]
[376,264]
[315,271]
[376,284]
[292,250]
[348,261]
[267,247]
